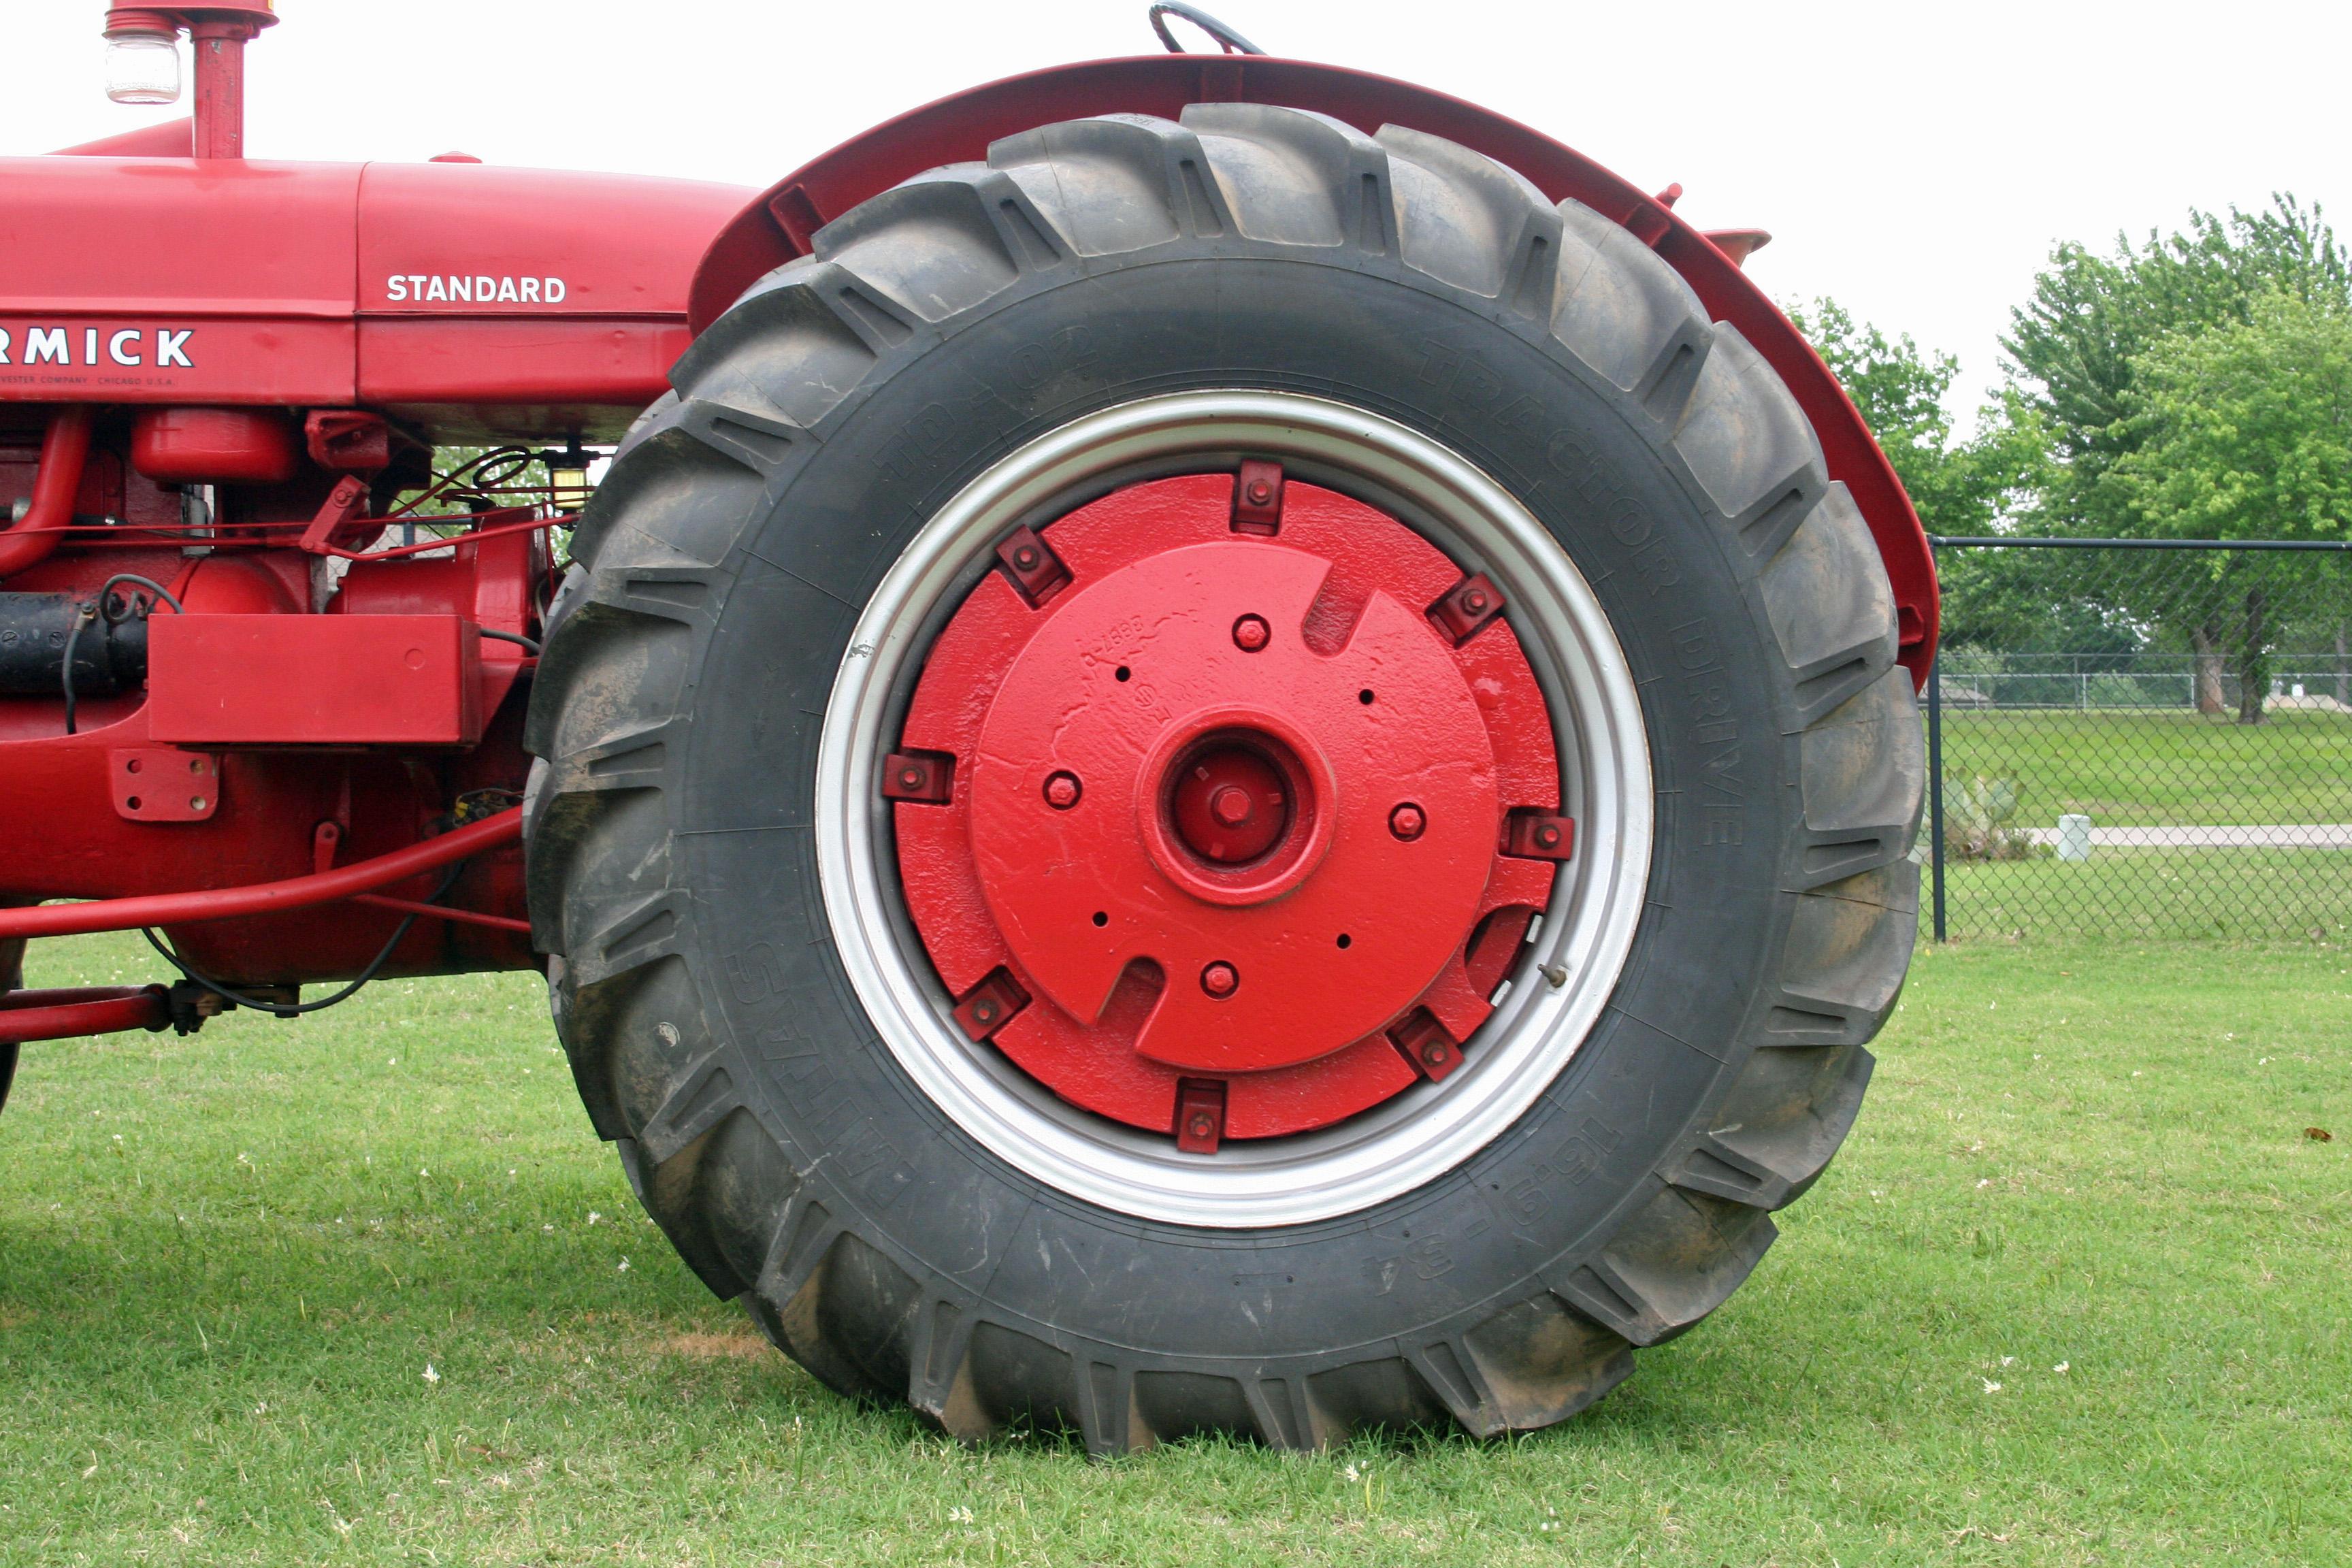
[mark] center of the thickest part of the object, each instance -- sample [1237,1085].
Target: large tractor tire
[1223,777]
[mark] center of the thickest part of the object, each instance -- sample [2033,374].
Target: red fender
[777,227]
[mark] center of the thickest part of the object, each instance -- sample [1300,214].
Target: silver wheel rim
[1562,978]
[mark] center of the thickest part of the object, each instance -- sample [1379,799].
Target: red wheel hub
[1215,824]
[1231,805]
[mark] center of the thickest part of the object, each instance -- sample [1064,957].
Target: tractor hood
[476,301]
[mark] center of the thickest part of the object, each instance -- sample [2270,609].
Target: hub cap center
[1230,798]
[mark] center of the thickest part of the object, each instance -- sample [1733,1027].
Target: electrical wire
[96,607]
[149,583]
[522,642]
[519,458]
[296,1009]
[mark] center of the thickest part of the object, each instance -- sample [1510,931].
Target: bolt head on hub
[1251,634]
[1407,822]
[1062,790]
[1230,804]
[1220,979]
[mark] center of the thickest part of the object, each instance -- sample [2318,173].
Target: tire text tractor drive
[1228,747]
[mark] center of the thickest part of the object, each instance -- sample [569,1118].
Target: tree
[1900,392]
[1988,483]
[2242,430]
[2075,350]
[2073,347]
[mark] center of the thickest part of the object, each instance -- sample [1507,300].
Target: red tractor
[1231,747]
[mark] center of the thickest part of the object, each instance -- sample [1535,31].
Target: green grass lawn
[2155,894]
[364,1289]
[2127,768]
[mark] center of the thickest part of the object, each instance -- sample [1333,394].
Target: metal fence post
[1936,782]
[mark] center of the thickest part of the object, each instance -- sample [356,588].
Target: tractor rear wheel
[1223,777]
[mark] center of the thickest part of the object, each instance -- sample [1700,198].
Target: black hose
[96,608]
[83,615]
[522,642]
[1228,40]
[296,1009]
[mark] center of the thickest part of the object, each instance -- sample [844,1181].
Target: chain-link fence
[2141,737]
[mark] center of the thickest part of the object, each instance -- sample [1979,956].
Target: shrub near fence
[2141,737]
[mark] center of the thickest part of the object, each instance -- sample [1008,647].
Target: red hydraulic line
[442,912]
[87,1010]
[63,452]
[264,897]
[442,543]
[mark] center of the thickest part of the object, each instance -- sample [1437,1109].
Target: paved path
[2272,836]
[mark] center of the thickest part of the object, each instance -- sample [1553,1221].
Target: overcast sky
[1916,161]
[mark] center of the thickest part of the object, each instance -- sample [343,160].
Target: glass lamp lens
[142,69]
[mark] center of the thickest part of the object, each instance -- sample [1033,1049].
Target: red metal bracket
[1739,244]
[991,1004]
[924,777]
[1466,608]
[344,502]
[1425,1045]
[1539,835]
[1038,573]
[1257,497]
[163,784]
[1200,1114]
[350,440]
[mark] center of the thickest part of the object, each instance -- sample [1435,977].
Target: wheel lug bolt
[1061,791]
[1025,558]
[1260,492]
[1407,821]
[1220,979]
[1547,836]
[1475,602]
[1251,634]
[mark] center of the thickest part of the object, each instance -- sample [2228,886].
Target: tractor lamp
[142,59]
[570,485]
[567,474]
